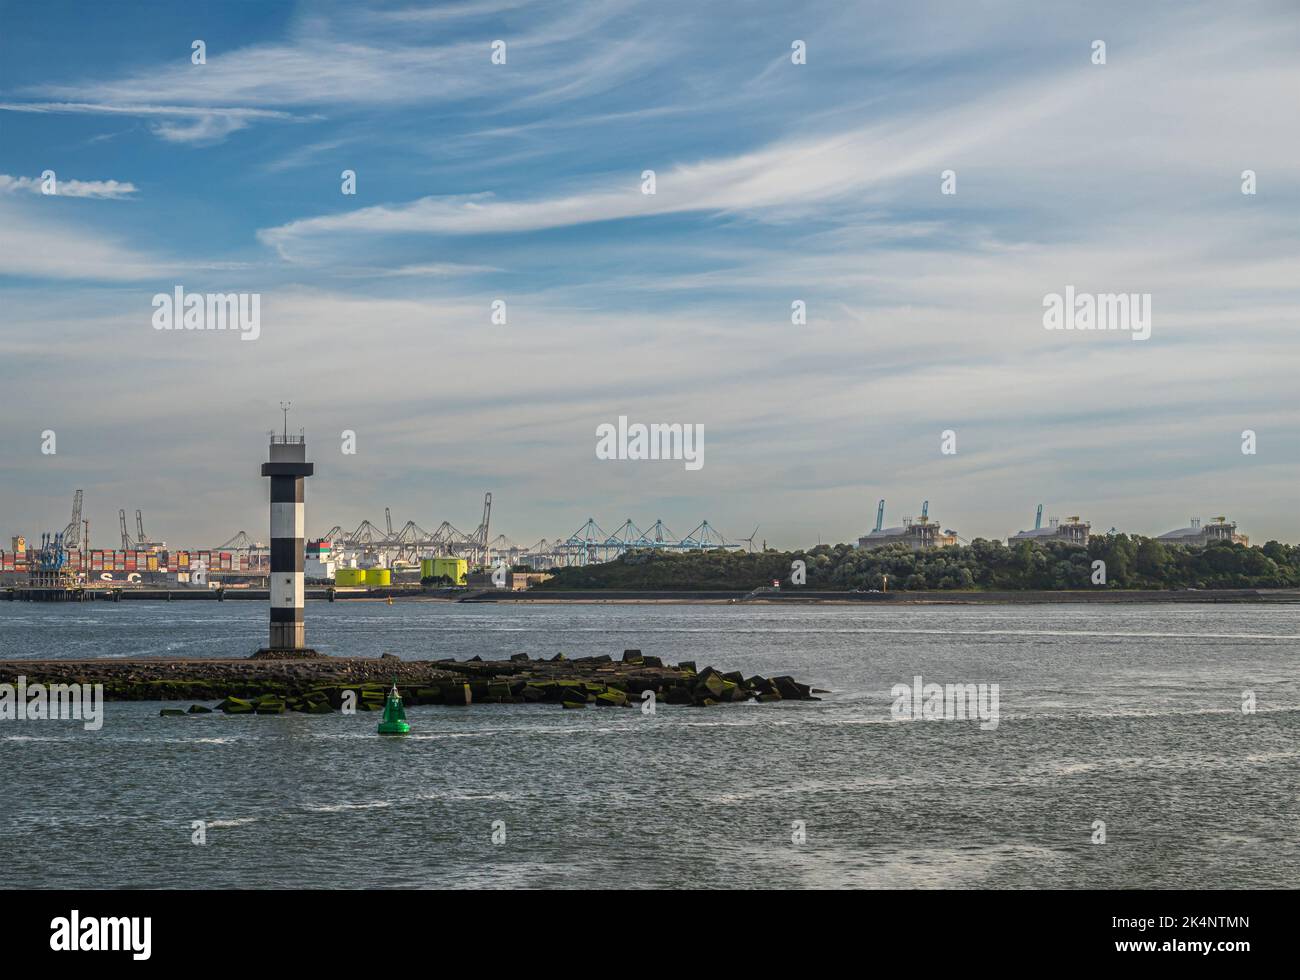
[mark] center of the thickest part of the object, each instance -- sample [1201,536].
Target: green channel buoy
[394,720]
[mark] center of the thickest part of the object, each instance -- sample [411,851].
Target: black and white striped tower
[287,469]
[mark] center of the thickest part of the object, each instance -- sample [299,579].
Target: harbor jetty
[320,684]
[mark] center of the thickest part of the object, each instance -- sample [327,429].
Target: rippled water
[1126,714]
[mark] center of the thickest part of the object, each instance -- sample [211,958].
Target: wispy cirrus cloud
[304,156]
[1011,135]
[174,123]
[33,247]
[439,269]
[422,270]
[368,59]
[450,11]
[788,174]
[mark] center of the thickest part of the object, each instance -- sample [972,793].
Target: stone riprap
[325,684]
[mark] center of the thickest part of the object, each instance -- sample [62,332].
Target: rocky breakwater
[326,684]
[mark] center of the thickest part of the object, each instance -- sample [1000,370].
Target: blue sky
[775,182]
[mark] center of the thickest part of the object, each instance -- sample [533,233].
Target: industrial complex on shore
[379,558]
[923,533]
[370,557]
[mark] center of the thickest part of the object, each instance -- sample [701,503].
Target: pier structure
[287,468]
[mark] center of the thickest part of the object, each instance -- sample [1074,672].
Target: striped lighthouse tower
[287,469]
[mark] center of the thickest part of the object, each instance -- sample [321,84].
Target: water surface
[1126,714]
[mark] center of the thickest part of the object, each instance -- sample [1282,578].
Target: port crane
[72,533]
[51,556]
[240,542]
[589,543]
[480,534]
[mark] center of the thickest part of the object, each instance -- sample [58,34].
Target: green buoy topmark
[394,720]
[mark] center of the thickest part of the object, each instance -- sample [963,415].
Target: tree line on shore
[1131,562]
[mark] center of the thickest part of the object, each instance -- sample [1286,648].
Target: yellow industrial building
[357,577]
[456,569]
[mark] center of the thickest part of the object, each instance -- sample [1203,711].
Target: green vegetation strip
[1132,562]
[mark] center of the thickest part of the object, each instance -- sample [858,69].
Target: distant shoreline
[715,597]
[807,597]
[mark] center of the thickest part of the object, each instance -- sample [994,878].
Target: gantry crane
[72,533]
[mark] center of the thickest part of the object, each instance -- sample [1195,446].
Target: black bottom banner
[138,929]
